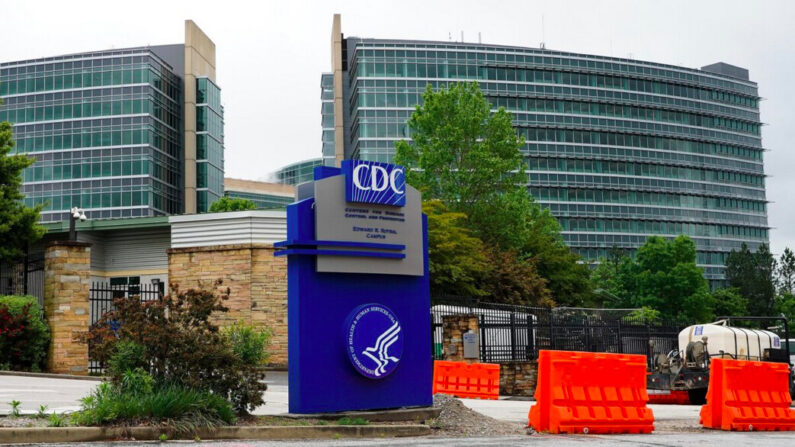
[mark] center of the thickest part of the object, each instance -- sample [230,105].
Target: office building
[618,149]
[135,132]
[300,172]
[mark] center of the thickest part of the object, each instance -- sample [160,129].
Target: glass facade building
[617,149]
[107,131]
[266,195]
[300,172]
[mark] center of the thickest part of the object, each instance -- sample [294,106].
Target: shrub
[56,421]
[127,356]
[24,336]
[174,406]
[249,343]
[181,346]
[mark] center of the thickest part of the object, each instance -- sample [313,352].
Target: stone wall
[518,378]
[66,305]
[453,329]
[257,283]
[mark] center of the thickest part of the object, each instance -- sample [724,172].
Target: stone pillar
[67,273]
[453,329]
[257,283]
[518,378]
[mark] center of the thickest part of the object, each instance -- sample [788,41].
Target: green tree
[786,272]
[18,223]
[729,302]
[786,305]
[469,158]
[608,278]
[752,274]
[514,280]
[232,204]
[457,260]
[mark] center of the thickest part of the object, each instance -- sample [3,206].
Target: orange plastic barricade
[745,396]
[672,397]
[584,392]
[475,380]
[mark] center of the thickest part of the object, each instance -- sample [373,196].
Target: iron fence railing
[516,333]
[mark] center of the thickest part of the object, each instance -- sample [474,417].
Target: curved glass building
[298,172]
[618,149]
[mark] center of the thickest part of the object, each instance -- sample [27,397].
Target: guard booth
[358,291]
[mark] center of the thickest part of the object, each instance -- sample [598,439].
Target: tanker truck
[687,368]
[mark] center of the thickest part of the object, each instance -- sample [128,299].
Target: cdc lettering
[380,179]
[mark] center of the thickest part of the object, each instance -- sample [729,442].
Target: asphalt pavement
[675,425]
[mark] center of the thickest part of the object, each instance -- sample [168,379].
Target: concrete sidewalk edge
[39,435]
[416,414]
[51,375]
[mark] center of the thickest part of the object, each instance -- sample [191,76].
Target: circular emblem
[374,340]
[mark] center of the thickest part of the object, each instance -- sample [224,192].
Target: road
[675,425]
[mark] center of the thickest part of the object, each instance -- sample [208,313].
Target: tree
[457,260]
[469,158]
[752,275]
[663,276]
[232,204]
[786,272]
[729,302]
[513,280]
[18,223]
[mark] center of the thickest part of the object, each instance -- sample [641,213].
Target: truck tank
[725,341]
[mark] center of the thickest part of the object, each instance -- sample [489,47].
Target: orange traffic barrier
[584,392]
[475,380]
[673,397]
[745,396]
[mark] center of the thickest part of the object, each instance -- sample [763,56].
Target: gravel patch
[457,420]
[22,421]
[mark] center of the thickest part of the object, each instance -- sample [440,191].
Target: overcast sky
[270,55]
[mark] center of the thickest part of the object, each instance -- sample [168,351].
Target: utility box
[471,345]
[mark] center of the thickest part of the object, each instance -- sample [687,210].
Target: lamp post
[74,214]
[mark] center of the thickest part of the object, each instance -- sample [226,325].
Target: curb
[419,415]
[51,375]
[89,434]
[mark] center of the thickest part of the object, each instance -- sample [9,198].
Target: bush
[174,341]
[174,406]
[249,343]
[24,336]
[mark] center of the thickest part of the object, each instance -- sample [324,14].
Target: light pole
[74,214]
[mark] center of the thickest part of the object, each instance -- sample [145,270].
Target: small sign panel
[373,182]
[699,330]
[373,340]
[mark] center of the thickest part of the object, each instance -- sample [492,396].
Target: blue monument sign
[358,293]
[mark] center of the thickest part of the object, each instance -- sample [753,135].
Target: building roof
[128,223]
[251,186]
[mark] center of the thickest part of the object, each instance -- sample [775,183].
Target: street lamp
[74,214]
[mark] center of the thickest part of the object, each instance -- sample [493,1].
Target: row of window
[475,72]
[208,120]
[641,169]
[122,213]
[298,173]
[601,240]
[646,198]
[702,257]
[660,227]
[94,139]
[210,149]
[641,183]
[208,93]
[166,82]
[87,199]
[639,155]
[209,177]
[625,111]
[640,141]
[514,56]
[512,90]
[112,107]
[570,209]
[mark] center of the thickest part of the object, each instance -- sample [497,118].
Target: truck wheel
[697,397]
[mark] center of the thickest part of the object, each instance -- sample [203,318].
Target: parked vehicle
[687,368]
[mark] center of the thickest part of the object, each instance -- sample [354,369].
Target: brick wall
[453,329]
[66,290]
[257,283]
[518,378]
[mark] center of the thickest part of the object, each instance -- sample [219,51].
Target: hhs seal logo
[374,340]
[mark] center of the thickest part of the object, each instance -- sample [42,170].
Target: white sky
[270,55]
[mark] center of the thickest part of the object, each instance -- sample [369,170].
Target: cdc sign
[358,292]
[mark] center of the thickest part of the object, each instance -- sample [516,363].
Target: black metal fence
[23,276]
[517,333]
[101,299]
